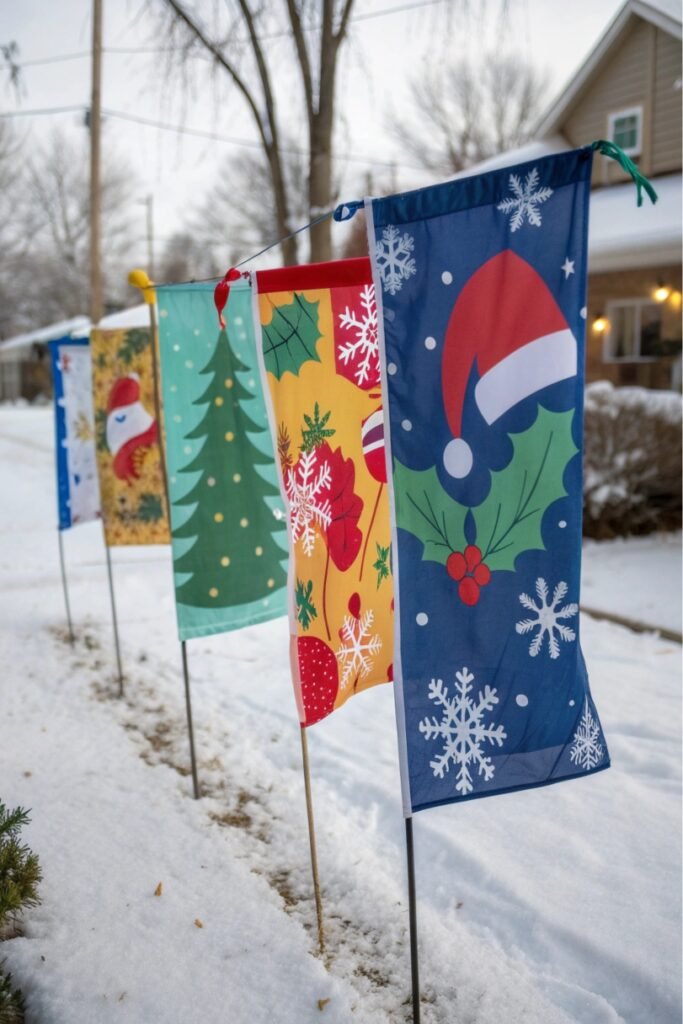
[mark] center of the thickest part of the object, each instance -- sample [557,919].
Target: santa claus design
[130,428]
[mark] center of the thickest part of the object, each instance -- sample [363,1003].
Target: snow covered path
[555,905]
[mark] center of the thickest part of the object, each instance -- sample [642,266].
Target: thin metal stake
[190,730]
[412,908]
[113,617]
[66,589]
[311,839]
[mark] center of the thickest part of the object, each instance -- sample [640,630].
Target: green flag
[227,520]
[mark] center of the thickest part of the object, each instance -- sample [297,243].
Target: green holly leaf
[509,520]
[306,610]
[150,509]
[290,339]
[136,341]
[316,434]
[382,564]
[424,509]
[101,430]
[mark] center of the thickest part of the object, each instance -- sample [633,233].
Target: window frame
[607,353]
[617,115]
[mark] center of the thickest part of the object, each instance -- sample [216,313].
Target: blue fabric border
[61,465]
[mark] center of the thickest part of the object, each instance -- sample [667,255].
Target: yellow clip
[139,278]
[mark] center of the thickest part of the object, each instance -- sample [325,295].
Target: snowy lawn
[555,905]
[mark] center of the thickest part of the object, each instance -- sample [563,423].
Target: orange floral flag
[318,349]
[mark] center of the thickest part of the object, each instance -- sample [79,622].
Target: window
[625,128]
[635,330]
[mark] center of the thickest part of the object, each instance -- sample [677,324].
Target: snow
[548,906]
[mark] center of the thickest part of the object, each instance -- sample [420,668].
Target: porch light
[600,324]
[675,300]
[661,292]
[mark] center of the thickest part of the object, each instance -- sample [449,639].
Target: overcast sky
[386,51]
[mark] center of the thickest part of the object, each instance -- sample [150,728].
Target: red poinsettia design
[342,536]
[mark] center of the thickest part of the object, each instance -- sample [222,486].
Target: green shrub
[19,868]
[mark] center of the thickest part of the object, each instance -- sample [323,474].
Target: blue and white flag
[482,284]
[78,489]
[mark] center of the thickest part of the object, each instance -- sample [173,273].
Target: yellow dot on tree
[225,561]
[229,382]
[271,583]
[237,478]
[244,522]
[218,400]
[258,551]
[213,592]
[218,517]
[211,482]
[230,436]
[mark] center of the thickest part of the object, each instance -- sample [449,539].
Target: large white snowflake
[362,351]
[587,751]
[358,647]
[527,199]
[305,484]
[548,617]
[463,730]
[393,259]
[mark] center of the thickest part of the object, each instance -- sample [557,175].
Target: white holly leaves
[527,198]
[548,618]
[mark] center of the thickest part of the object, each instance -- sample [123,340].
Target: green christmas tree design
[235,558]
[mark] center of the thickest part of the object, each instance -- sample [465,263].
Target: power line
[146,122]
[132,50]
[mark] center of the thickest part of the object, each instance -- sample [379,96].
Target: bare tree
[464,113]
[47,278]
[246,42]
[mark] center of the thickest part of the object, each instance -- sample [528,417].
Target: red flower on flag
[342,536]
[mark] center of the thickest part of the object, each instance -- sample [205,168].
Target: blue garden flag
[78,489]
[482,284]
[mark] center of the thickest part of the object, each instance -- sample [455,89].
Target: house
[628,91]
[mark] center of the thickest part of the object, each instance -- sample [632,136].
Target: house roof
[135,316]
[622,235]
[665,14]
[77,325]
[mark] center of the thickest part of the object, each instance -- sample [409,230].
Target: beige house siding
[668,108]
[641,72]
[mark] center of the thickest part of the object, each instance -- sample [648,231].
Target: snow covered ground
[555,905]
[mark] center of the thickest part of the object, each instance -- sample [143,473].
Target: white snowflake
[357,647]
[587,751]
[393,259]
[463,730]
[304,485]
[526,201]
[548,617]
[363,351]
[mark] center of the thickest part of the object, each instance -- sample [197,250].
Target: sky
[389,46]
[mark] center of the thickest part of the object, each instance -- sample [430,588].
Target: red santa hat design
[507,322]
[129,425]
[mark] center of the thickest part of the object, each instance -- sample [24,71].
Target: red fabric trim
[336,274]
[124,464]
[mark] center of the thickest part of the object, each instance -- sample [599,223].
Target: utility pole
[94,122]
[149,203]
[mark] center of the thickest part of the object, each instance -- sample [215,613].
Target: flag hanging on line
[483,290]
[78,488]
[227,519]
[320,359]
[127,438]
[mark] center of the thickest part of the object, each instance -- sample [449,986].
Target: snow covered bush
[632,467]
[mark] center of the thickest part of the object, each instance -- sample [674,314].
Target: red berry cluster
[470,572]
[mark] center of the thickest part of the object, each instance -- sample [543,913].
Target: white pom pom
[457,458]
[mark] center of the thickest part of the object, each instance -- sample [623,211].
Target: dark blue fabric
[63,509]
[543,702]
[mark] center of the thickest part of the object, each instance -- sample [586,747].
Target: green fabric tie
[615,152]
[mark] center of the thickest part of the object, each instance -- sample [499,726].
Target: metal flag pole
[140,279]
[311,839]
[412,914]
[113,613]
[190,730]
[65,587]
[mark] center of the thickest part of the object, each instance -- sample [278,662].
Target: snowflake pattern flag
[227,519]
[127,438]
[482,288]
[78,489]
[321,362]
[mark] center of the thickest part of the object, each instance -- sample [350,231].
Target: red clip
[221,292]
